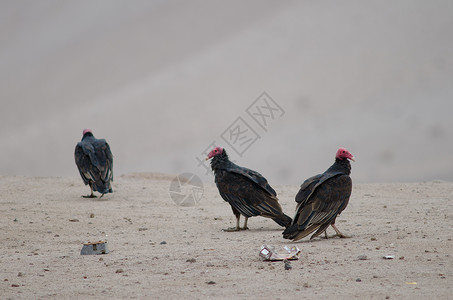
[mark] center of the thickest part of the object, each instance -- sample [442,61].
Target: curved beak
[352,158]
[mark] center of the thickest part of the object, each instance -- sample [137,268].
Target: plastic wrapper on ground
[271,253]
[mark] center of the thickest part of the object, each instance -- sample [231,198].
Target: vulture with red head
[95,163]
[247,191]
[321,199]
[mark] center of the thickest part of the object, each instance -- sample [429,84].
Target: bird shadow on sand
[251,230]
[319,239]
[94,199]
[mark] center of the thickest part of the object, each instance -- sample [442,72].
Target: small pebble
[20,274]
[362,257]
[91,215]
[210,282]
[358,280]
[163,242]
[73,220]
[14,285]
[119,271]
[191,260]
[287,265]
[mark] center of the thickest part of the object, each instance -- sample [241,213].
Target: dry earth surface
[45,221]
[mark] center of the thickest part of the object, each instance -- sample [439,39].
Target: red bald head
[214,152]
[86,131]
[342,153]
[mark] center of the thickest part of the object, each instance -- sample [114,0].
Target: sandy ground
[45,221]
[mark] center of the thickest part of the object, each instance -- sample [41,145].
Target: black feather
[95,162]
[247,191]
[320,200]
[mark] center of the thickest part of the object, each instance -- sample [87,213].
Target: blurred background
[163,80]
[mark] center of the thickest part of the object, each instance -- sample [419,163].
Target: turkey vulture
[245,190]
[321,199]
[95,163]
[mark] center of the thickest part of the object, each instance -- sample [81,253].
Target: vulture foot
[338,232]
[90,196]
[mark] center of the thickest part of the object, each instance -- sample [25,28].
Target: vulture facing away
[95,162]
[245,190]
[321,199]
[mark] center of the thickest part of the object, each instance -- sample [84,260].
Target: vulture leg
[237,228]
[339,234]
[245,224]
[92,195]
[325,232]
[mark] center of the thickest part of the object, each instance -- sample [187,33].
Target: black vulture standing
[95,162]
[321,199]
[245,190]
